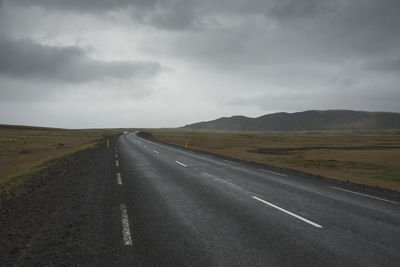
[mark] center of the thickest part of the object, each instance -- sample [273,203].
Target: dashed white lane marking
[119,180]
[126,232]
[180,163]
[365,195]
[116,155]
[116,163]
[231,162]
[155,151]
[287,212]
[284,175]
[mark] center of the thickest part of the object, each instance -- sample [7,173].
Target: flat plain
[363,157]
[24,150]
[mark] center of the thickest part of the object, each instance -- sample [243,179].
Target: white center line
[155,151]
[288,212]
[126,232]
[180,163]
[119,180]
[365,195]
[284,175]
[116,163]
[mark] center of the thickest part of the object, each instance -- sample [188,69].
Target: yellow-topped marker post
[108,143]
[186,144]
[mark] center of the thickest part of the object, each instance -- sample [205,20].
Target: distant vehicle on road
[125,132]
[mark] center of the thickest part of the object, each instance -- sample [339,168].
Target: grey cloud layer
[236,33]
[259,30]
[276,55]
[28,60]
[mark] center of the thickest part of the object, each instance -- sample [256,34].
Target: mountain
[305,121]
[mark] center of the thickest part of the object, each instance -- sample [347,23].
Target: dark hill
[23,127]
[305,121]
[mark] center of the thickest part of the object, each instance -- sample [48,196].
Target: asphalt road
[183,208]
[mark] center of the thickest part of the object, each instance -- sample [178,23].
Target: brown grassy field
[25,149]
[366,157]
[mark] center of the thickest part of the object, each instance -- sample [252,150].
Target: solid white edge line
[287,212]
[365,195]
[155,151]
[284,175]
[180,163]
[116,163]
[119,180]
[231,162]
[126,232]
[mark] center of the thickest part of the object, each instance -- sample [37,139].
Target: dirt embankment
[58,216]
[145,135]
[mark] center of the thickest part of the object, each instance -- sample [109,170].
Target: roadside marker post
[186,144]
[108,143]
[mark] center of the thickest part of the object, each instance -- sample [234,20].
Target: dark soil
[63,215]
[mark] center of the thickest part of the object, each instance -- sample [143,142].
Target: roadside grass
[363,157]
[24,150]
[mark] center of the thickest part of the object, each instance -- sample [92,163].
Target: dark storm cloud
[191,10]
[269,32]
[297,9]
[84,5]
[245,33]
[306,29]
[166,14]
[25,59]
[391,64]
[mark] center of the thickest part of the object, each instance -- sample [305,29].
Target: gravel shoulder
[65,214]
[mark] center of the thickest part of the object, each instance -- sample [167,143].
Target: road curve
[190,209]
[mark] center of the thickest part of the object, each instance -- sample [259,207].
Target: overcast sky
[167,63]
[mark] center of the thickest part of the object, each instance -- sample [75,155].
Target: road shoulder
[63,214]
